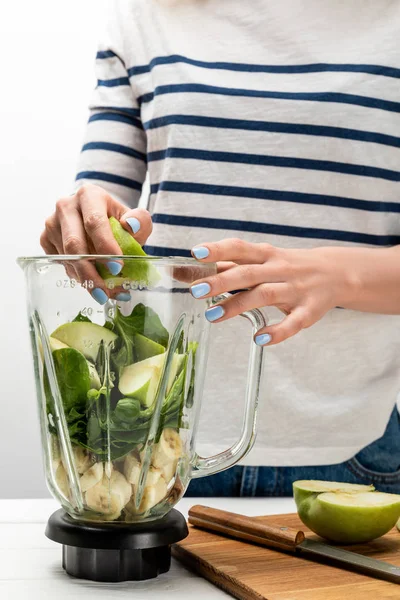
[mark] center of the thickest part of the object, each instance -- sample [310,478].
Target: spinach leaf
[73,377]
[145,321]
[126,355]
[148,323]
[127,410]
[190,396]
[171,412]
[109,325]
[80,318]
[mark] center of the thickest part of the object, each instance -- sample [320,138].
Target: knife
[249,529]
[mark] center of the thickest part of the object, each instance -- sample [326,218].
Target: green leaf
[190,396]
[73,377]
[127,409]
[142,320]
[148,323]
[173,405]
[74,415]
[109,325]
[80,318]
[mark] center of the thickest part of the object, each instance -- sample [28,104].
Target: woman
[271,135]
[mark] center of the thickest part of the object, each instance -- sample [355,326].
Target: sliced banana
[92,476]
[100,499]
[153,476]
[120,485]
[132,468]
[62,481]
[55,452]
[152,495]
[168,471]
[168,450]
[109,496]
[82,458]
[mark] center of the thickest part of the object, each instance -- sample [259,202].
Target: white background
[47,51]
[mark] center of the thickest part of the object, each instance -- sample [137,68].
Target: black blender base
[116,565]
[112,552]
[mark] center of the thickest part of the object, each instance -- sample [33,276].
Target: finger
[192,272]
[93,204]
[73,233]
[236,278]
[69,269]
[138,223]
[288,327]
[271,294]
[225,265]
[53,231]
[75,242]
[47,246]
[233,249]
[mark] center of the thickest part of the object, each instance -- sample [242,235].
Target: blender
[119,390]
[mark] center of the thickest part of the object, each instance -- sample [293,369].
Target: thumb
[138,223]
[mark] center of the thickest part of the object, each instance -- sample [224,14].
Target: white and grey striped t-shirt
[270,121]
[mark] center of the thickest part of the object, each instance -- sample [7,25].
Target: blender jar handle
[214,464]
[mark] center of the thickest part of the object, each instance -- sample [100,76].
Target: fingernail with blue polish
[99,295]
[262,339]
[200,289]
[200,252]
[214,313]
[123,297]
[114,267]
[134,224]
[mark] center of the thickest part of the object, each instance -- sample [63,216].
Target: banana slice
[92,476]
[132,468]
[99,498]
[55,452]
[168,450]
[120,485]
[63,482]
[82,458]
[153,476]
[168,471]
[153,494]
[109,496]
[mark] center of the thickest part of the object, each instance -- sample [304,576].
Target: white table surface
[30,564]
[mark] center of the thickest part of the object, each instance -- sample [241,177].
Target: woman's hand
[80,226]
[304,284]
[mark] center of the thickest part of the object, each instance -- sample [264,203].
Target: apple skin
[348,524]
[141,271]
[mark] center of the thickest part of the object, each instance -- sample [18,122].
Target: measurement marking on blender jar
[73,283]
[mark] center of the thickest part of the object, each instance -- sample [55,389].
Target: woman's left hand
[304,284]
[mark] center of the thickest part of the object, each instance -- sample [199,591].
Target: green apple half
[140,271]
[347,513]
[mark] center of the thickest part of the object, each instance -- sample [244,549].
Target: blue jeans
[378,463]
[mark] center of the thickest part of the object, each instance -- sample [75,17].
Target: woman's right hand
[80,225]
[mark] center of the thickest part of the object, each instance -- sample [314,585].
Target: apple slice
[141,271]
[141,382]
[304,488]
[350,518]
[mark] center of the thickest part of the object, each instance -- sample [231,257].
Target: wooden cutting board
[251,572]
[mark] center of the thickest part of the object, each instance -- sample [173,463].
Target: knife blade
[352,560]
[253,530]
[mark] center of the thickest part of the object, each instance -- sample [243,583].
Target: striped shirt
[275,122]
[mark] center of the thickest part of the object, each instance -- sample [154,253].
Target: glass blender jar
[119,391]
